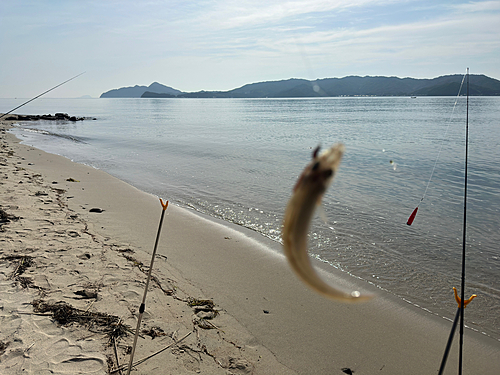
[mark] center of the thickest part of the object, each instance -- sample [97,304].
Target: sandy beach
[223,299]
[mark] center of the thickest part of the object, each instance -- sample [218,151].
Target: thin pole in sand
[143,304]
[43,93]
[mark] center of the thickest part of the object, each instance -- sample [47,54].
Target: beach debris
[96,210]
[240,364]
[347,370]
[85,256]
[73,233]
[135,262]
[65,314]
[27,282]
[123,367]
[127,250]
[86,293]
[307,194]
[3,346]
[200,302]
[71,180]
[266,311]
[154,332]
[57,190]
[140,265]
[6,217]
[204,311]
[24,262]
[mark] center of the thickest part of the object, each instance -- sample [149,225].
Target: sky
[224,44]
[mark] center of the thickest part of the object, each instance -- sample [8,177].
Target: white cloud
[477,6]
[218,45]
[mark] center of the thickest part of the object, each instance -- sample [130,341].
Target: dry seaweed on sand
[3,346]
[64,314]
[144,269]
[200,302]
[24,262]
[154,332]
[205,311]
[27,282]
[5,217]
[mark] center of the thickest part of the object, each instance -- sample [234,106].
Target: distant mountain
[479,85]
[137,91]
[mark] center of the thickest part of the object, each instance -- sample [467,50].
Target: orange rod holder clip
[459,300]
[164,205]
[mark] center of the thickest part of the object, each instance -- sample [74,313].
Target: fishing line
[414,213]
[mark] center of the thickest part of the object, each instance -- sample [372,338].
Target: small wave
[52,134]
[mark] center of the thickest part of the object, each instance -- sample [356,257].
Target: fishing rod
[462,302]
[464,238]
[43,93]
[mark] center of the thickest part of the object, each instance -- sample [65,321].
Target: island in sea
[449,85]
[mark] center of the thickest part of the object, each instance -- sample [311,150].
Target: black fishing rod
[43,93]
[462,291]
[462,302]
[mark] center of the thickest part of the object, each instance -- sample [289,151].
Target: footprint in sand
[64,357]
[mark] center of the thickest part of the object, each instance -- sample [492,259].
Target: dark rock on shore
[49,117]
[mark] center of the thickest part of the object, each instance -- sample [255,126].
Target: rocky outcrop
[56,117]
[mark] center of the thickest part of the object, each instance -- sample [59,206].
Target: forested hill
[479,85]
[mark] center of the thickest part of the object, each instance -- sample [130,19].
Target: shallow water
[237,159]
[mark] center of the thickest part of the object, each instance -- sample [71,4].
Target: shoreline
[300,333]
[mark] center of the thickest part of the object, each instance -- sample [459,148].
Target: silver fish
[307,194]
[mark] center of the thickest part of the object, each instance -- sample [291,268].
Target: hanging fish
[307,194]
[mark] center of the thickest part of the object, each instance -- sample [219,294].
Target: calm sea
[237,159]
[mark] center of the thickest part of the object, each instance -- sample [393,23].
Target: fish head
[318,174]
